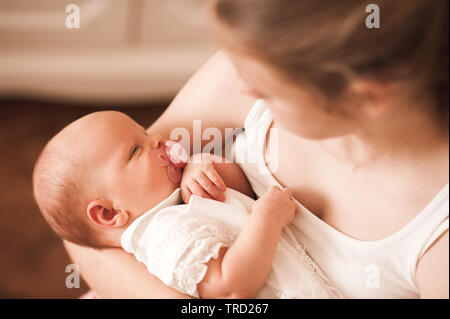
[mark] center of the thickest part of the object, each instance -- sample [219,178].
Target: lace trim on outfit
[200,240]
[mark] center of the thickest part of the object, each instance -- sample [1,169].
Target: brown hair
[60,197]
[323,43]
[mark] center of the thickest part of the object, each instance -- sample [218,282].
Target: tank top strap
[436,223]
[258,119]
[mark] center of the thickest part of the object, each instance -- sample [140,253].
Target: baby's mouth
[172,156]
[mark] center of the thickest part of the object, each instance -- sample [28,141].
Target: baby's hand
[277,203]
[201,178]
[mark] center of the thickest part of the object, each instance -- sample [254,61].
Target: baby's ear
[101,212]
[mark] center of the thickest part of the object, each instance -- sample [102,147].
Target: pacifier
[173,156]
[176,153]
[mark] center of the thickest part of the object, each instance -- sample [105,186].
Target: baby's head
[96,176]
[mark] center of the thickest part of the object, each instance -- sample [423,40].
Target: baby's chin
[165,187]
[175,185]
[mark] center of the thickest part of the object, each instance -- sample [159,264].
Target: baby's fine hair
[59,188]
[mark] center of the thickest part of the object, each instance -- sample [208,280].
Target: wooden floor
[32,258]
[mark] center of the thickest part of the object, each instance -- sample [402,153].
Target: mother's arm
[112,273]
[212,96]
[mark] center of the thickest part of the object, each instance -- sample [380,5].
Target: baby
[104,182]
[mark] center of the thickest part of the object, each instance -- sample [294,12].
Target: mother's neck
[397,137]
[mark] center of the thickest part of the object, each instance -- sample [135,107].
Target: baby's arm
[208,175]
[240,270]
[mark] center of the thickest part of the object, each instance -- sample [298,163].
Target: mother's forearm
[113,273]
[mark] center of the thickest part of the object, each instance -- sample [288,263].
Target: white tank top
[383,268]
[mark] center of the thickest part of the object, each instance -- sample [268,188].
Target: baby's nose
[157,141]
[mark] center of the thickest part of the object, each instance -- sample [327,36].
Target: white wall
[126,50]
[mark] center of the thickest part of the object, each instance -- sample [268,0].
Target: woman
[362,122]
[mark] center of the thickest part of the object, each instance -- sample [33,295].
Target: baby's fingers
[287,191]
[197,189]
[210,187]
[214,177]
[185,194]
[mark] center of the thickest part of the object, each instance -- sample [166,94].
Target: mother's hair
[326,45]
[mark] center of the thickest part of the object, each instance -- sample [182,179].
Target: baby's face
[116,150]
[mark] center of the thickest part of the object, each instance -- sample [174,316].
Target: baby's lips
[159,157]
[176,153]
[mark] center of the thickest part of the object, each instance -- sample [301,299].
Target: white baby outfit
[176,240]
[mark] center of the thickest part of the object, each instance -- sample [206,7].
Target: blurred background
[129,55]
